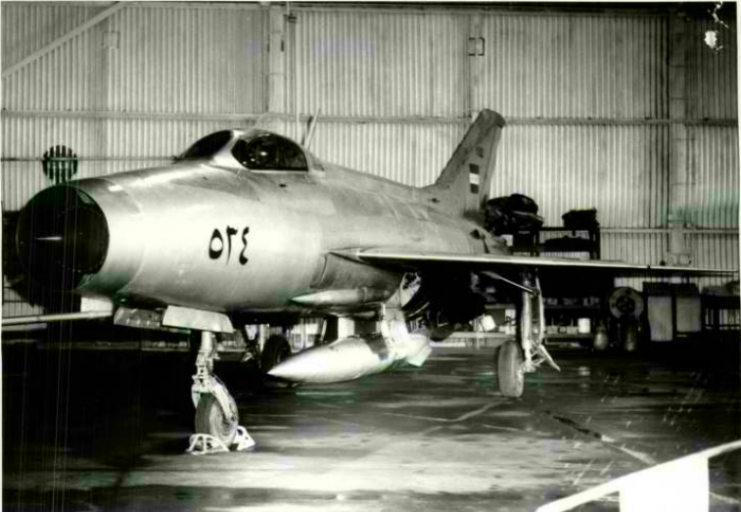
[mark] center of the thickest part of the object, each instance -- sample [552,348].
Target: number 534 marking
[217,245]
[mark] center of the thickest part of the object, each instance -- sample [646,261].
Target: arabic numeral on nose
[217,245]
[230,232]
[242,258]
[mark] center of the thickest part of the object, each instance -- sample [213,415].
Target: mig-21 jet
[248,227]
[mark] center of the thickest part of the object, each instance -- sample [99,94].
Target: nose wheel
[217,417]
[213,418]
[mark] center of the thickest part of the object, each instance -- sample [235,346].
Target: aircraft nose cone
[62,235]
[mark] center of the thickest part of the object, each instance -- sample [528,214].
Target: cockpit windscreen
[270,152]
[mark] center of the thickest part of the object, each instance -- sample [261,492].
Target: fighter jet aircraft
[248,227]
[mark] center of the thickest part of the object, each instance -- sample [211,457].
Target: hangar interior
[621,108]
[623,116]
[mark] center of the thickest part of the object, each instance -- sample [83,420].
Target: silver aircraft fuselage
[209,234]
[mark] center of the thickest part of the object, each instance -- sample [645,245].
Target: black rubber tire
[509,366]
[210,419]
[276,349]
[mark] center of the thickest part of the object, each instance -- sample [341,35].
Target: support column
[277,61]
[475,50]
[99,86]
[679,172]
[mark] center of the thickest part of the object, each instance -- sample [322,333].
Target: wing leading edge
[410,259]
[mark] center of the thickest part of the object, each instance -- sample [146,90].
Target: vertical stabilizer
[463,186]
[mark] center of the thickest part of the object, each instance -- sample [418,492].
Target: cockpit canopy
[254,150]
[270,152]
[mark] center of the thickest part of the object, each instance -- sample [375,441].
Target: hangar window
[270,153]
[207,146]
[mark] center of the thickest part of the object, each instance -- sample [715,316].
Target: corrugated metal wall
[586,96]
[714,191]
[712,148]
[61,80]
[180,58]
[617,169]
[578,66]
[25,139]
[712,75]
[393,64]
[407,153]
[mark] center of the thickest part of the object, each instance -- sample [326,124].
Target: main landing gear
[516,358]
[276,349]
[217,416]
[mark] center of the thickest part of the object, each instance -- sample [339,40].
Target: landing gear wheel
[276,349]
[510,372]
[211,419]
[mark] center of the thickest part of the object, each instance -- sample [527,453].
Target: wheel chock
[206,444]
[243,440]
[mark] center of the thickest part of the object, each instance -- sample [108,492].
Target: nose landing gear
[217,417]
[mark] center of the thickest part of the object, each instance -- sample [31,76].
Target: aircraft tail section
[463,185]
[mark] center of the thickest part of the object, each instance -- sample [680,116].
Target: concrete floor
[107,431]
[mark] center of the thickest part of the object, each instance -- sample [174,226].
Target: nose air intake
[62,236]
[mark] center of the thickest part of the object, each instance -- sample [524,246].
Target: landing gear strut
[518,358]
[217,416]
[512,367]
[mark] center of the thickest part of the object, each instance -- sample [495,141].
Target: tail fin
[463,186]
